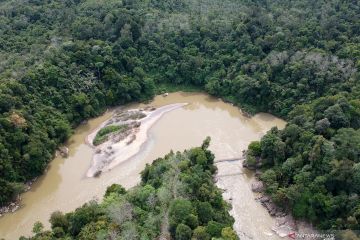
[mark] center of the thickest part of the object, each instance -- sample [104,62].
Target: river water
[65,185]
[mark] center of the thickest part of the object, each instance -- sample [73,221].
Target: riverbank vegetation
[103,134]
[176,198]
[66,61]
[312,166]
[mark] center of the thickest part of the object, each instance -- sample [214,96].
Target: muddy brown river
[65,185]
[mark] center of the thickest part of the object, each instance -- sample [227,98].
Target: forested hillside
[65,61]
[177,198]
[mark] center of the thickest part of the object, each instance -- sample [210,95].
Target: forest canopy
[176,198]
[65,61]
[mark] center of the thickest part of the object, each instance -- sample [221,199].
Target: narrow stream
[65,185]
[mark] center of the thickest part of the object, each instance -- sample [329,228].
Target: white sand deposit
[118,149]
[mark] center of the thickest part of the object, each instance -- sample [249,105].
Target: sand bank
[121,147]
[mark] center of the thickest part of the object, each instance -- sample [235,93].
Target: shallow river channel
[65,185]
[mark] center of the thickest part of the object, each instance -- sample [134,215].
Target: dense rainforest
[177,198]
[65,61]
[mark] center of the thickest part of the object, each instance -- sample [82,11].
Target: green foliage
[38,227]
[103,134]
[252,155]
[192,221]
[229,234]
[58,220]
[214,228]
[6,191]
[272,148]
[165,197]
[201,234]
[204,211]
[347,144]
[83,216]
[183,232]
[180,209]
[311,165]
[255,148]
[66,61]
[58,232]
[115,188]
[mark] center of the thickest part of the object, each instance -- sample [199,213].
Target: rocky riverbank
[62,151]
[12,207]
[285,223]
[16,205]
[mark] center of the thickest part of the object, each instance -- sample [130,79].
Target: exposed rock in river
[284,226]
[12,207]
[285,223]
[257,186]
[64,151]
[270,206]
[258,173]
[97,174]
